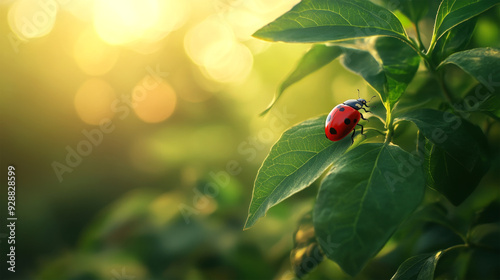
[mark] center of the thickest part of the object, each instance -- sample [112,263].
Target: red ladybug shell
[340,122]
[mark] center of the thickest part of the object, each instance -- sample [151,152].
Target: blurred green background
[169,92]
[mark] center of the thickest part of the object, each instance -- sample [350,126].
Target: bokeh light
[81,9]
[32,18]
[213,46]
[94,56]
[154,100]
[93,101]
[123,21]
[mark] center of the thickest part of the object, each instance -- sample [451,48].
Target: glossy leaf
[449,176]
[364,64]
[410,268]
[450,133]
[391,75]
[454,12]
[362,201]
[312,21]
[296,160]
[429,266]
[484,65]
[400,64]
[455,39]
[486,235]
[317,57]
[480,99]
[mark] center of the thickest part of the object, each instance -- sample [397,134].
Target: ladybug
[343,118]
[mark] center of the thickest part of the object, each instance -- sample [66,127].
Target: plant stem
[455,247]
[446,92]
[421,44]
[388,124]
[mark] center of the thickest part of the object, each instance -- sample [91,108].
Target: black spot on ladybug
[332,130]
[347,121]
[341,109]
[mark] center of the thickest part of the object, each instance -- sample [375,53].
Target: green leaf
[317,57]
[312,21]
[436,213]
[364,64]
[415,10]
[399,62]
[449,176]
[390,75]
[296,160]
[454,12]
[450,133]
[484,65]
[455,39]
[410,268]
[370,191]
[486,235]
[429,266]
[456,155]
[480,99]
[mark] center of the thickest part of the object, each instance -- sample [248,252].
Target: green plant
[376,187]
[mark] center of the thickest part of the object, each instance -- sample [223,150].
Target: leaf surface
[296,160]
[362,201]
[454,12]
[391,73]
[312,21]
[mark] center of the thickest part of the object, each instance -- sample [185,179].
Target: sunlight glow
[94,56]
[213,46]
[154,100]
[93,101]
[32,18]
[121,22]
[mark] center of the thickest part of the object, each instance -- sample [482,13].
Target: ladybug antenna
[372,98]
[358,94]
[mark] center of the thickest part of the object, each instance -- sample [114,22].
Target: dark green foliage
[372,189]
[349,212]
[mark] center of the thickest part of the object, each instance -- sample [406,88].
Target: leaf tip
[249,222]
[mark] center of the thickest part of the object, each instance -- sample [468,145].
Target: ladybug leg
[352,136]
[366,110]
[361,130]
[362,117]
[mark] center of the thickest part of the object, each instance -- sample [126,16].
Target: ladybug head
[362,101]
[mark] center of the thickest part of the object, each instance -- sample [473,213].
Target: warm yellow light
[173,14]
[94,56]
[32,18]
[209,41]
[212,45]
[234,67]
[153,99]
[82,9]
[93,101]
[124,21]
